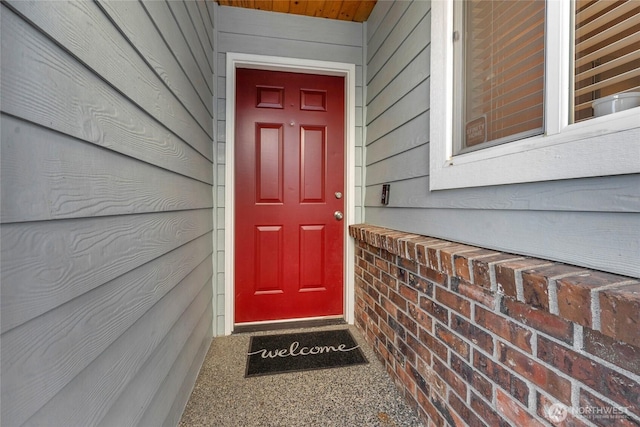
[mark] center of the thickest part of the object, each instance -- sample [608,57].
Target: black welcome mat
[273,354]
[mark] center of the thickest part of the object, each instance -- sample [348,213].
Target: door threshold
[274,325]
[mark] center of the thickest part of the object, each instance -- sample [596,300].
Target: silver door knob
[338,215]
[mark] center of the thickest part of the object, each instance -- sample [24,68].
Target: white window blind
[503,70]
[607,51]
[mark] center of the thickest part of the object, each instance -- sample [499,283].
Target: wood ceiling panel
[345,10]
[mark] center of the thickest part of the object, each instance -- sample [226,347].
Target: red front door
[289,181]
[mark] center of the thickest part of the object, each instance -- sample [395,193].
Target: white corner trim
[241,60]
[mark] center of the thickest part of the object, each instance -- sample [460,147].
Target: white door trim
[240,60]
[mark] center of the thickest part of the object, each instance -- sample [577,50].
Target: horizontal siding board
[40,357]
[183,369]
[615,194]
[184,393]
[281,26]
[85,401]
[394,13]
[179,11]
[132,19]
[410,106]
[46,264]
[164,20]
[211,8]
[416,72]
[206,21]
[408,164]
[48,175]
[413,47]
[47,86]
[376,18]
[415,15]
[201,30]
[134,400]
[82,29]
[413,133]
[228,42]
[603,241]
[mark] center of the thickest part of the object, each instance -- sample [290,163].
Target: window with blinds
[607,52]
[503,71]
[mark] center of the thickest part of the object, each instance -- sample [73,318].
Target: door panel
[289,247]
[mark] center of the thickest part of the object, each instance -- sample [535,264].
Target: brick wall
[477,337]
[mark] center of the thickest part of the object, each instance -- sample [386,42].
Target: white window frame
[602,146]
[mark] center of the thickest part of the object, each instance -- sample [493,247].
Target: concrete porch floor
[361,395]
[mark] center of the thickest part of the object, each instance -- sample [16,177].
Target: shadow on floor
[360,395]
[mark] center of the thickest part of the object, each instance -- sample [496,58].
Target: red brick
[381,287]
[454,302]
[433,344]
[441,406]
[452,341]
[463,416]
[603,414]
[619,353]
[448,253]
[620,313]
[408,353]
[463,410]
[538,374]
[390,281]
[472,377]
[409,324]
[421,351]
[407,246]
[482,268]
[411,246]
[387,331]
[434,309]
[388,241]
[422,251]
[505,328]
[544,406]
[514,412]
[506,273]
[574,294]
[499,375]
[609,382]
[382,264]
[389,307]
[422,318]
[464,262]
[538,319]
[408,265]
[450,377]
[408,293]
[432,412]
[398,300]
[487,413]
[405,379]
[433,256]
[420,284]
[472,333]
[474,292]
[536,281]
[433,275]
[396,326]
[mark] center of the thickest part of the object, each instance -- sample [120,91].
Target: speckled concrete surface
[360,395]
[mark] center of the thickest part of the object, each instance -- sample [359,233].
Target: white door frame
[240,60]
